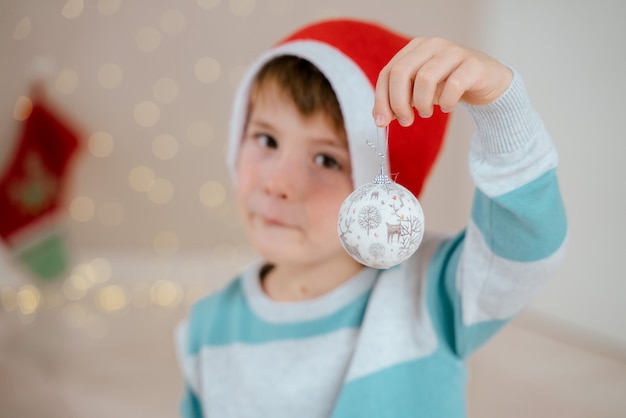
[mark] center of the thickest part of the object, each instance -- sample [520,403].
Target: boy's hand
[430,71]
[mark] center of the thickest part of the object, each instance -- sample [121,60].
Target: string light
[22,29]
[73,9]
[110,75]
[207,70]
[242,7]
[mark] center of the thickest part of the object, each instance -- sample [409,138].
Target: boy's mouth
[273,221]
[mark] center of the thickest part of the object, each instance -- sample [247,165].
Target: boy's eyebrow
[260,123]
[332,142]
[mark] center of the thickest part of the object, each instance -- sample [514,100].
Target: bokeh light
[8,297]
[28,299]
[102,269]
[82,209]
[72,9]
[166,243]
[141,178]
[110,75]
[161,192]
[242,7]
[67,81]
[22,29]
[146,114]
[212,194]
[75,287]
[109,7]
[85,271]
[165,147]
[100,144]
[113,298]
[207,70]
[148,39]
[166,293]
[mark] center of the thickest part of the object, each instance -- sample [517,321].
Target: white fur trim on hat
[354,93]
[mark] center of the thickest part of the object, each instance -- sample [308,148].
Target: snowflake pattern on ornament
[381,224]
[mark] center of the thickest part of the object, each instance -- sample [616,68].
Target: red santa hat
[351,54]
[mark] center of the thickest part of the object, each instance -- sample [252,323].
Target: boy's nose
[285,178]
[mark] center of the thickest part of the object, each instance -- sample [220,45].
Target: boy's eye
[327,161]
[266,141]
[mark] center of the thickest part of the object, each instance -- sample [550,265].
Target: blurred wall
[573,58]
[149,83]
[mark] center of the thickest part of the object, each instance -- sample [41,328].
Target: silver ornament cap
[381,223]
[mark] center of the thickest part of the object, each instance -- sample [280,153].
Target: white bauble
[381,223]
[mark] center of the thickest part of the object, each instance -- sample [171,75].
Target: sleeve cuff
[509,122]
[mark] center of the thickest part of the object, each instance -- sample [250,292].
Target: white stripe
[292,378]
[497,174]
[494,288]
[511,146]
[399,328]
[309,310]
[188,364]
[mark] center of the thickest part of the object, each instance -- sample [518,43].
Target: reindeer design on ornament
[394,230]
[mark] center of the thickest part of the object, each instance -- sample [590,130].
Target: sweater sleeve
[515,238]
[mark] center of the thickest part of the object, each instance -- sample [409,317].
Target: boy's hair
[303,83]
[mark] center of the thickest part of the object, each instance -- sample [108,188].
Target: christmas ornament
[31,191]
[381,223]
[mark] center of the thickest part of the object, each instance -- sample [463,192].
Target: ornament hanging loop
[382,154]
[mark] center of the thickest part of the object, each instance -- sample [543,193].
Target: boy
[309,332]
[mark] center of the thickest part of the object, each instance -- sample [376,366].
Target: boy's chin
[277,255]
[293,255]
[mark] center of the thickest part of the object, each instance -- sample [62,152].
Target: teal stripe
[445,304]
[527,224]
[441,294]
[429,387]
[477,335]
[190,406]
[237,323]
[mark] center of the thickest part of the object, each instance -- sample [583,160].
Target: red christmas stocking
[31,190]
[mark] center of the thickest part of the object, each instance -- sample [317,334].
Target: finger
[401,76]
[462,79]
[409,48]
[382,112]
[431,79]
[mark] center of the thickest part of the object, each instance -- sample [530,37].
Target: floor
[105,349]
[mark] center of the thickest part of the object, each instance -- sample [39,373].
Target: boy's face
[293,174]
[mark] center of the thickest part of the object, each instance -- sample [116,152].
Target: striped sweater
[391,343]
